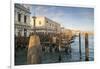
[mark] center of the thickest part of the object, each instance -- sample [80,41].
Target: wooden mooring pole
[80,46]
[86,47]
[59,48]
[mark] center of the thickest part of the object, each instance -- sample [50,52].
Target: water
[74,56]
[48,57]
[75,48]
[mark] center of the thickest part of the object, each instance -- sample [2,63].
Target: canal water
[53,57]
[74,56]
[75,48]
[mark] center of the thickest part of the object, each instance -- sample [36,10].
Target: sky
[76,18]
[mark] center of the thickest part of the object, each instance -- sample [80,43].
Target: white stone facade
[21,20]
[45,25]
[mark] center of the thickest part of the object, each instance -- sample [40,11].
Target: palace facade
[22,20]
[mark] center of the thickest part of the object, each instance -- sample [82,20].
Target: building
[45,25]
[21,20]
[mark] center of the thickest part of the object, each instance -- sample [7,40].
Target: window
[25,18]
[39,22]
[19,17]
[46,21]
